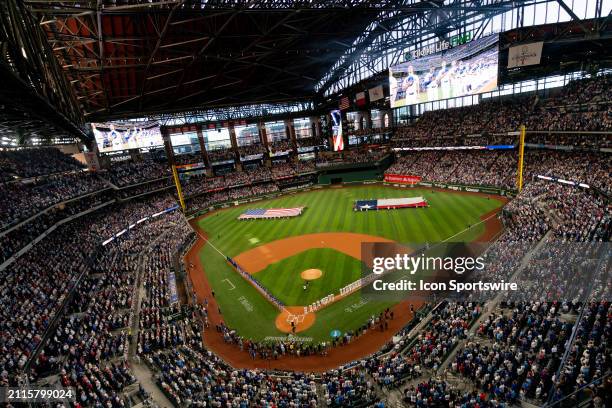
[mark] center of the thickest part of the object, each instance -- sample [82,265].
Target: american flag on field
[344,102]
[263,213]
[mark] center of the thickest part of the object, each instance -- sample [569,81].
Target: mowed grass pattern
[284,281]
[328,210]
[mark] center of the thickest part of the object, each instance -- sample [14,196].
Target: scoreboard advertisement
[442,72]
[115,136]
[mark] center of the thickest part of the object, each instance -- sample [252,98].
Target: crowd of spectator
[37,284]
[251,150]
[284,170]
[588,358]
[353,156]
[582,105]
[595,89]
[73,303]
[349,388]
[471,167]
[145,188]
[221,155]
[241,184]
[126,173]
[254,174]
[308,142]
[580,141]
[436,392]
[497,168]
[20,200]
[449,323]
[486,117]
[35,162]
[280,146]
[527,346]
[302,167]
[526,221]
[14,239]
[188,158]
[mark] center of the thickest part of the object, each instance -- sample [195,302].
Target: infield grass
[284,281]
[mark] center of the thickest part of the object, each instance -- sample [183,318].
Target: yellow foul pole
[519,179]
[179,190]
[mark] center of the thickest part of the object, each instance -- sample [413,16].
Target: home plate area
[293,320]
[297,319]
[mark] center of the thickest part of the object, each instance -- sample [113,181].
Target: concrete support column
[345,128]
[368,119]
[135,155]
[168,146]
[290,129]
[314,131]
[203,151]
[232,133]
[319,128]
[387,122]
[263,137]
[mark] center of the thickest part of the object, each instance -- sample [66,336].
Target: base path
[258,259]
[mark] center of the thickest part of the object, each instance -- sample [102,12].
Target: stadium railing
[12,227]
[127,187]
[146,193]
[49,230]
[59,313]
[583,395]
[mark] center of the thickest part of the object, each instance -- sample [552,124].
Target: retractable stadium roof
[130,58]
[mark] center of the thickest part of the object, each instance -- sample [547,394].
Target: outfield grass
[327,210]
[284,281]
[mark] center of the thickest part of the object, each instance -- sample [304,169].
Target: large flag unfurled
[258,213]
[360,98]
[390,203]
[337,136]
[344,103]
[376,93]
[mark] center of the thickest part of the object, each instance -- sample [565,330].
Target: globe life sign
[439,46]
[430,49]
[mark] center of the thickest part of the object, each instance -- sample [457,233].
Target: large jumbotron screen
[464,70]
[116,136]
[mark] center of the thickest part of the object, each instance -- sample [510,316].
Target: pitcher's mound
[311,274]
[294,314]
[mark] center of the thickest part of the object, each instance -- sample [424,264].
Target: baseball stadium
[334,203]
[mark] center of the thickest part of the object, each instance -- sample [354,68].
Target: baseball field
[303,259]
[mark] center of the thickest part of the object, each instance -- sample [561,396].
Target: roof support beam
[202,50]
[161,37]
[568,10]
[571,13]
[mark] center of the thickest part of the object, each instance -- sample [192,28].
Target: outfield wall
[233,203]
[354,172]
[460,187]
[351,176]
[448,186]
